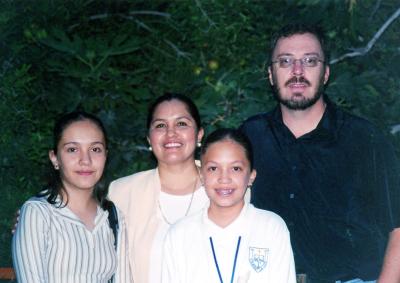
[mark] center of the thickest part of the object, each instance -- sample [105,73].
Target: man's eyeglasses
[308,61]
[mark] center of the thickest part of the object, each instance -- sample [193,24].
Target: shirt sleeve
[386,177]
[282,261]
[29,244]
[123,273]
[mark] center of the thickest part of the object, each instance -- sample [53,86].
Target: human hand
[16,220]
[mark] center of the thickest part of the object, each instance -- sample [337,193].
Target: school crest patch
[258,258]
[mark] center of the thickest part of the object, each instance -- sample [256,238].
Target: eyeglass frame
[302,61]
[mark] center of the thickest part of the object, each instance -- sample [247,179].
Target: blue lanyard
[234,261]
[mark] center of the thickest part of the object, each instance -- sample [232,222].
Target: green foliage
[113,57]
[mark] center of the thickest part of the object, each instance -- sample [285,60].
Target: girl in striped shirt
[64,235]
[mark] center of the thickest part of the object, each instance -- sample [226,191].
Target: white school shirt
[53,245]
[265,253]
[174,208]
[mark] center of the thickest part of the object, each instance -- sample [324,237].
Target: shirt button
[291,196]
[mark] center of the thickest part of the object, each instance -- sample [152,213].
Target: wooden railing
[7,273]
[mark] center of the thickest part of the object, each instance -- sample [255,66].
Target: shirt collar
[233,228]
[327,128]
[66,213]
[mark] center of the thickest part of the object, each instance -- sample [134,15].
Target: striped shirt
[52,245]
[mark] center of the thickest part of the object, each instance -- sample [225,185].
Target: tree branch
[152,13]
[139,23]
[179,53]
[131,13]
[376,8]
[364,50]
[211,22]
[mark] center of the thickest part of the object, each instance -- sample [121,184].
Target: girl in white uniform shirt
[230,241]
[63,234]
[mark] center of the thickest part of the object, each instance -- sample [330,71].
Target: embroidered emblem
[258,258]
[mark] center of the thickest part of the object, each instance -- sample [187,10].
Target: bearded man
[332,176]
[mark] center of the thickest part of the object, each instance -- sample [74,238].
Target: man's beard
[298,104]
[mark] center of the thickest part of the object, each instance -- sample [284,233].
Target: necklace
[187,209]
[234,260]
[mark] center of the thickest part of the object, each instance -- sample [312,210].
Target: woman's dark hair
[190,106]
[54,186]
[229,134]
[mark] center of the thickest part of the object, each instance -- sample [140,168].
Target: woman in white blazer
[153,200]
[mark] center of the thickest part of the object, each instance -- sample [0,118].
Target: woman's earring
[150,148]
[56,166]
[199,144]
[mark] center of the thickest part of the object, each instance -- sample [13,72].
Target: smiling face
[298,87]
[173,133]
[226,174]
[81,155]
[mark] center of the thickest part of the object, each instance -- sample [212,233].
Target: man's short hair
[300,28]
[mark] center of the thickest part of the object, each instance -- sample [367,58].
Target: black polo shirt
[336,187]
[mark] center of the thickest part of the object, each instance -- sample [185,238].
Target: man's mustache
[302,80]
